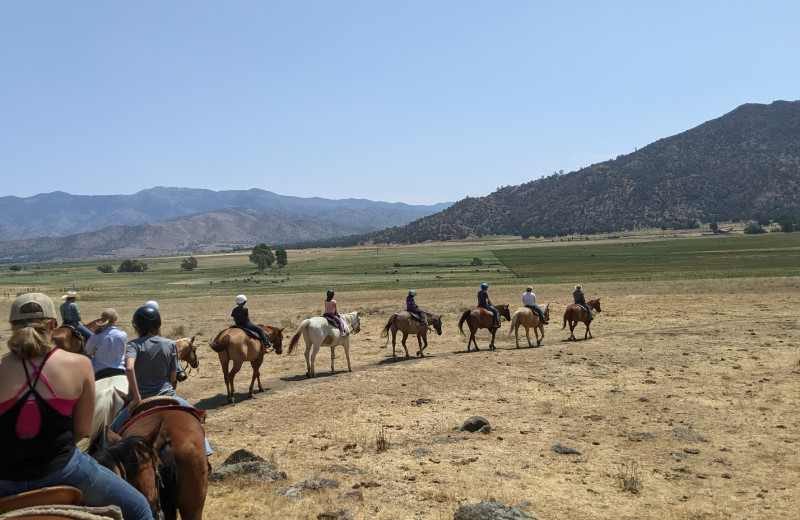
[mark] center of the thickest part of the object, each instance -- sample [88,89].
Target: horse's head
[436,323]
[546,311]
[276,338]
[504,312]
[355,325]
[187,351]
[594,304]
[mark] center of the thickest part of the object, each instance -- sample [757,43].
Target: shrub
[132,266]
[754,228]
[105,268]
[188,264]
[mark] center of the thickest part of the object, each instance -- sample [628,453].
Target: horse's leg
[588,333]
[346,346]
[394,339]
[237,365]
[491,345]
[225,361]
[528,334]
[572,325]
[403,342]
[472,338]
[422,337]
[333,356]
[256,364]
[536,331]
[310,361]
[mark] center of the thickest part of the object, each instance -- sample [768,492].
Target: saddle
[485,311]
[250,333]
[60,495]
[75,332]
[158,405]
[414,316]
[332,321]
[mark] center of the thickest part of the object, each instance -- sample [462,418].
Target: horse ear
[191,341]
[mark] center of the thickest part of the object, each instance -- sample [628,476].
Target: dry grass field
[683,406]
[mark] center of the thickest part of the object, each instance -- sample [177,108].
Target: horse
[407,324]
[480,318]
[110,397]
[174,474]
[69,339]
[187,353]
[234,344]
[527,318]
[317,331]
[575,313]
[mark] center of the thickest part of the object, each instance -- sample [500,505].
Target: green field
[446,264]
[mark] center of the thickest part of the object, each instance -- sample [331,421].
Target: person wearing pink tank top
[333,312]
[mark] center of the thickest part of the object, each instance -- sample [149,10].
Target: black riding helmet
[146,319]
[330,293]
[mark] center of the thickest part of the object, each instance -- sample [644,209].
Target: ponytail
[31,338]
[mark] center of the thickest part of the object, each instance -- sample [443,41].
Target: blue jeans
[494,311]
[99,485]
[537,310]
[587,309]
[124,414]
[255,328]
[86,333]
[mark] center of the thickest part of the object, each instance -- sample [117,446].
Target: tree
[262,256]
[476,261]
[105,268]
[132,266]
[16,268]
[754,228]
[713,226]
[280,257]
[188,264]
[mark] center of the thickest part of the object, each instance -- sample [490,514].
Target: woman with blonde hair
[46,406]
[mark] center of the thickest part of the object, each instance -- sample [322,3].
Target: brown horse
[525,317]
[234,344]
[575,313]
[479,318]
[176,458]
[187,353]
[405,323]
[69,339]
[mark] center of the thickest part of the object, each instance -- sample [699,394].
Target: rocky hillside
[744,165]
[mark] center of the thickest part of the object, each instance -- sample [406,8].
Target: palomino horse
[575,313]
[234,344]
[405,323]
[317,331]
[69,339]
[480,318]
[110,394]
[527,318]
[187,353]
[176,435]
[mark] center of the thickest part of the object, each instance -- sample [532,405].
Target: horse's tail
[464,317]
[168,482]
[514,323]
[566,312]
[220,343]
[388,327]
[293,343]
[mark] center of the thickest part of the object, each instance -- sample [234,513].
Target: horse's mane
[124,455]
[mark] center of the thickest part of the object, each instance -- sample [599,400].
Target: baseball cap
[46,307]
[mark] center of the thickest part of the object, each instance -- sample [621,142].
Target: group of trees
[127,266]
[264,257]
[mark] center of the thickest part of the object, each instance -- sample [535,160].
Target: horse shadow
[221,400]
[403,358]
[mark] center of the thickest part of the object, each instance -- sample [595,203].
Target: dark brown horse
[405,323]
[69,339]
[480,318]
[168,444]
[575,313]
[234,344]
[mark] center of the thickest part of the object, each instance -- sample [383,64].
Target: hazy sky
[398,100]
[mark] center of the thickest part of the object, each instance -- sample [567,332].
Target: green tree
[16,267]
[188,264]
[262,256]
[280,257]
[476,261]
[105,268]
[713,226]
[132,266]
[754,228]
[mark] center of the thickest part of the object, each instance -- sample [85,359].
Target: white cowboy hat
[70,294]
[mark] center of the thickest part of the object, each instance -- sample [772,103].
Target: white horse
[109,399]
[317,331]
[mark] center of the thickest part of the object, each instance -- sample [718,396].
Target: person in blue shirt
[580,299]
[486,303]
[70,315]
[411,306]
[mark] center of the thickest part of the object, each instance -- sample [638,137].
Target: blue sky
[398,100]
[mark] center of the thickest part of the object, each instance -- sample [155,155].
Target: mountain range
[744,165]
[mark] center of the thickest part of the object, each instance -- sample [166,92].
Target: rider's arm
[130,373]
[84,409]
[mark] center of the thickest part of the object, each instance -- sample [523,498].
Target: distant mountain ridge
[744,165]
[176,221]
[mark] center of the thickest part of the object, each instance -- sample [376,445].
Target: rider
[529,301]
[332,312]
[71,316]
[151,361]
[106,347]
[581,300]
[46,406]
[486,303]
[241,316]
[411,306]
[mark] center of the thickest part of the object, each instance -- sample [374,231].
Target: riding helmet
[484,285]
[330,293]
[412,292]
[146,319]
[241,299]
